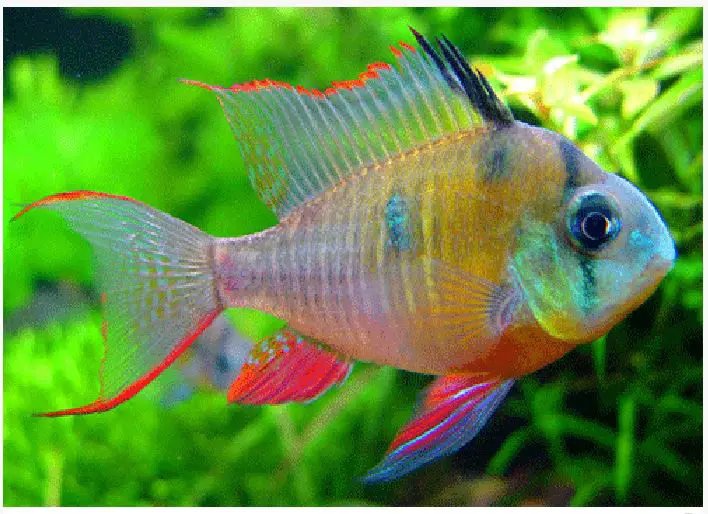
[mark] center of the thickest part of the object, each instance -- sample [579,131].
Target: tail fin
[157,287]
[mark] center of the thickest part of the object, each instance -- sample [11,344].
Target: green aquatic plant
[615,422]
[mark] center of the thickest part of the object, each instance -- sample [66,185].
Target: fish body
[421,227]
[333,271]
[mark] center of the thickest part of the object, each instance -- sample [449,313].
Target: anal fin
[452,412]
[287,367]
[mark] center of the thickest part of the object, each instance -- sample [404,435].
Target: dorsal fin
[298,142]
[460,77]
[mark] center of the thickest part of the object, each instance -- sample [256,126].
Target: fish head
[598,258]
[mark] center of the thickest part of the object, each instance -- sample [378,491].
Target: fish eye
[593,221]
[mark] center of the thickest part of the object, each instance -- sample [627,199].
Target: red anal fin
[102,405]
[454,410]
[287,367]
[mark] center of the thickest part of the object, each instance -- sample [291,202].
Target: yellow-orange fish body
[331,270]
[336,275]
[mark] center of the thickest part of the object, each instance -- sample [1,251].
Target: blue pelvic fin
[452,412]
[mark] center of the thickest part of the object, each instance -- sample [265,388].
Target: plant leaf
[636,94]
[682,95]
[625,448]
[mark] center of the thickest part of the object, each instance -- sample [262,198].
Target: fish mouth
[647,282]
[649,279]
[655,270]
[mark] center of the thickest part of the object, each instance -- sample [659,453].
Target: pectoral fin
[471,308]
[287,367]
[453,411]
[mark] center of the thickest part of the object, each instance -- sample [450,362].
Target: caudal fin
[157,287]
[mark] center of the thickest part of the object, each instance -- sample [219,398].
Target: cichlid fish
[213,361]
[421,227]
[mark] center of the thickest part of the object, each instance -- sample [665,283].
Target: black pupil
[594,222]
[595,225]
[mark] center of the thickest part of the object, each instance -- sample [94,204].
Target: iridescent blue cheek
[639,240]
[398,223]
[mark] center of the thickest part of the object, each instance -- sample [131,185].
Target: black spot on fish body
[495,165]
[571,160]
[495,162]
[222,363]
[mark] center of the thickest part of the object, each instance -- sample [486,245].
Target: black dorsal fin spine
[430,52]
[463,79]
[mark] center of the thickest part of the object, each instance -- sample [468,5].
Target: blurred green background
[92,101]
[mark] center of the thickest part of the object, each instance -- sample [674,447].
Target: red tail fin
[157,287]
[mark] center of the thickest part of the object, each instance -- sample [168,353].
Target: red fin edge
[71,195]
[407,46]
[454,410]
[202,85]
[137,386]
[255,85]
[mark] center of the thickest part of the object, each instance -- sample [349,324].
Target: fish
[212,362]
[420,227]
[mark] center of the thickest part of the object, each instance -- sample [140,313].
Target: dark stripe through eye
[587,268]
[571,160]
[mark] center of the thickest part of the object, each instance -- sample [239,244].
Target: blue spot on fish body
[639,240]
[398,223]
